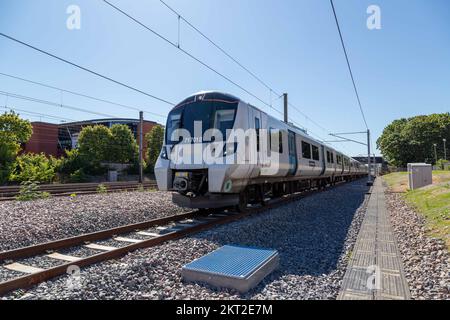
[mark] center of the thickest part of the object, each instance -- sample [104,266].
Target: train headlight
[164,153]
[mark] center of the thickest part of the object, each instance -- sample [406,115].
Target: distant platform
[235,267]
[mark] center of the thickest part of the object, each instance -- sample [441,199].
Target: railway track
[10,192]
[133,237]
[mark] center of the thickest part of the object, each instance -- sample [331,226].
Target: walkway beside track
[375,270]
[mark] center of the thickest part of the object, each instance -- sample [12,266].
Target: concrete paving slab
[375,270]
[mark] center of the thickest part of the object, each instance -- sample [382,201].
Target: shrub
[8,151]
[35,167]
[101,188]
[29,190]
[443,164]
[78,176]
[71,162]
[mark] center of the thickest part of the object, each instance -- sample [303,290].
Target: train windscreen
[207,113]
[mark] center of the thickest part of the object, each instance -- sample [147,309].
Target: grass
[432,201]
[397,182]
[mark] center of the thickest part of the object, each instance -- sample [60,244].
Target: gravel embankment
[425,259]
[313,236]
[31,222]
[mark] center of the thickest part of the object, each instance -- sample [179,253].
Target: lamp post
[435,154]
[445,149]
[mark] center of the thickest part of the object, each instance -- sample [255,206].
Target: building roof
[93,121]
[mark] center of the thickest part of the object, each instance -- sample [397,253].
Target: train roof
[209,95]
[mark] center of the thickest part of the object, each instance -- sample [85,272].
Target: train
[220,151]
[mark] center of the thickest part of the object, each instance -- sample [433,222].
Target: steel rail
[32,279]
[9,193]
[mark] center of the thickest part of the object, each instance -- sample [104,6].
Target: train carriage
[256,156]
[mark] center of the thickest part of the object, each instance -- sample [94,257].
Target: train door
[324,160]
[255,123]
[264,141]
[293,164]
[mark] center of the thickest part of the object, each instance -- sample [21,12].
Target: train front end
[195,159]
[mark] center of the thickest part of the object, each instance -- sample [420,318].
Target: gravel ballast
[425,259]
[314,237]
[32,222]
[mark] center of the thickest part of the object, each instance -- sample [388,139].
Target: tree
[154,139]
[124,148]
[99,144]
[94,144]
[411,140]
[13,132]
[16,129]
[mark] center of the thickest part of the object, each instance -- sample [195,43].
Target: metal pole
[445,149]
[435,154]
[141,135]
[369,177]
[285,96]
[375,172]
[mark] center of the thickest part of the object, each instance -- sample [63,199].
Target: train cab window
[332,157]
[315,153]
[173,123]
[306,150]
[209,113]
[328,157]
[257,127]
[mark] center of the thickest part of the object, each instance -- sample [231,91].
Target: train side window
[332,157]
[328,157]
[315,153]
[257,127]
[306,150]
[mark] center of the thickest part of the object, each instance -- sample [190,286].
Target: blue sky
[401,70]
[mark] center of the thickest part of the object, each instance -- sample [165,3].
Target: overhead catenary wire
[126,85]
[190,55]
[86,69]
[82,95]
[235,60]
[55,104]
[348,64]
[37,114]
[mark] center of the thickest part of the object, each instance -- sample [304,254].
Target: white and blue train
[301,162]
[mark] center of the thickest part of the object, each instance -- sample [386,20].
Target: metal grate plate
[232,266]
